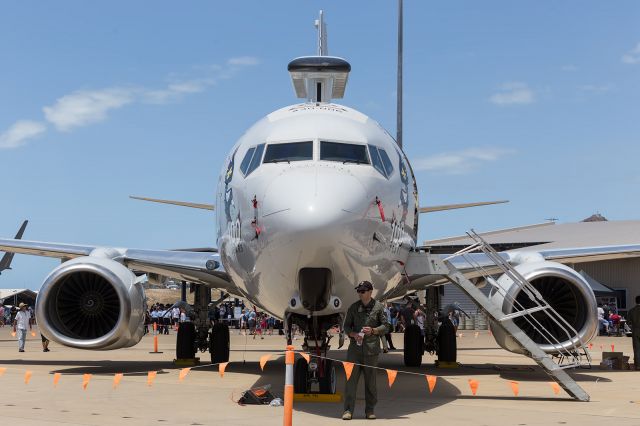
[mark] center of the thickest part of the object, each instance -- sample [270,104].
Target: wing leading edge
[199,267]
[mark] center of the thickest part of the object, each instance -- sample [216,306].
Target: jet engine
[567,293]
[91,303]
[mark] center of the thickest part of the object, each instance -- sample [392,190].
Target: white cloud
[460,162]
[632,56]
[85,107]
[513,93]
[176,90]
[244,61]
[82,108]
[20,132]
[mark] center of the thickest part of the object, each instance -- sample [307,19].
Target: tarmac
[203,397]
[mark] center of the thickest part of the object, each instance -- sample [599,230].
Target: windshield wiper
[353,161]
[276,161]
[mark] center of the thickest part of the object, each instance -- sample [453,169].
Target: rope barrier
[268,356]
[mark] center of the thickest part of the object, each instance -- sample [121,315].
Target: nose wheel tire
[328,382]
[219,343]
[413,346]
[301,376]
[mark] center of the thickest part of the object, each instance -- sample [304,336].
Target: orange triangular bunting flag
[85,380]
[306,357]
[13,334]
[431,380]
[391,375]
[33,334]
[56,379]
[475,335]
[348,368]
[613,347]
[555,387]
[221,368]
[116,379]
[151,376]
[515,388]
[183,373]
[27,377]
[473,384]
[263,360]
[2,370]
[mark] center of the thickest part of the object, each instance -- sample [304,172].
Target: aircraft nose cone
[314,199]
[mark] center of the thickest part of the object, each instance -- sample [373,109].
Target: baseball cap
[364,285]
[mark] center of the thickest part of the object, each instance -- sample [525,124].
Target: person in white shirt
[175,315]
[601,319]
[20,324]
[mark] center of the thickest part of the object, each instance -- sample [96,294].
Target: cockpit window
[381,161]
[247,160]
[388,166]
[287,152]
[376,161]
[251,159]
[257,156]
[345,152]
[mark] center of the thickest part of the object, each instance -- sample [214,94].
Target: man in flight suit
[364,324]
[634,322]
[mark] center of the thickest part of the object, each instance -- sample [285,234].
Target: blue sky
[535,102]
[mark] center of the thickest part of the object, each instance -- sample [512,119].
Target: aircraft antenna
[399,83]
[323,48]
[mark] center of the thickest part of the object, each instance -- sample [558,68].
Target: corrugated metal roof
[565,235]
[10,292]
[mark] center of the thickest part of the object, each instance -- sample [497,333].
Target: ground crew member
[364,323]
[634,323]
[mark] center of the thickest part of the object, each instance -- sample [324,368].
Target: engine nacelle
[565,290]
[91,303]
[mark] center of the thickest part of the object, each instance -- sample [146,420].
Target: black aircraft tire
[219,343]
[328,382]
[185,347]
[300,381]
[413,346]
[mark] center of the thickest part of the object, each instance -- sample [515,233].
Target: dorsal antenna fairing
[321,78]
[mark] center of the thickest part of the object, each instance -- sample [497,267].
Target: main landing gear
[319,374]
[198,334]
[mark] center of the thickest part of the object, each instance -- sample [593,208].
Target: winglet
[5,262]
[176,203]
[432,209]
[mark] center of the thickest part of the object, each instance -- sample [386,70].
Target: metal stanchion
[288,387]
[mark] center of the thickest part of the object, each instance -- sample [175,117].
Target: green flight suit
[634,322]
[359,316]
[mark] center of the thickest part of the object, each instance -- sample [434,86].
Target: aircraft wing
[193,266]
[418,281]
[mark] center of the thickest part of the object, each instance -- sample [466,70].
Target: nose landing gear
[319,374]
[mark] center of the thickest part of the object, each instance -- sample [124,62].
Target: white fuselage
[315,213]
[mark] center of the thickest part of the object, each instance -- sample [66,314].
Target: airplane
[312,199]
[5,262]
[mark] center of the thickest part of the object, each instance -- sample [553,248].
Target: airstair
[555,367]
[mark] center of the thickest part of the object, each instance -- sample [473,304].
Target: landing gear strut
[319,374]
